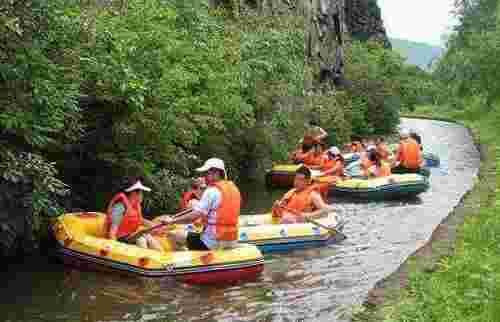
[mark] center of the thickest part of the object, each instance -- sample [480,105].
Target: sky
[421,20]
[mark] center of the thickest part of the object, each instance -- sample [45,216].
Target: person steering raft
[218,208]
[300,203]
[124,215]
[408,155]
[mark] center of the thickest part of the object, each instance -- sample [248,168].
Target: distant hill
[417,53]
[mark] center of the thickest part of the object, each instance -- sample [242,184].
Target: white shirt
[210,201]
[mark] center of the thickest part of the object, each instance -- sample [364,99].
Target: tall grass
[466,287]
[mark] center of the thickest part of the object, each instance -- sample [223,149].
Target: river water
[310,285]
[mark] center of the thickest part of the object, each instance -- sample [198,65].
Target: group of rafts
[82,238]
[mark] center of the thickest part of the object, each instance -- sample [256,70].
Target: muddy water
[311,285]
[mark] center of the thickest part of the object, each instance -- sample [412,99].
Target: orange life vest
[298,201]
[330,164]
[132,218]
[312,159]
[228,213]
[409,154]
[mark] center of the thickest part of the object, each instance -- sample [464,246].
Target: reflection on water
[309,285]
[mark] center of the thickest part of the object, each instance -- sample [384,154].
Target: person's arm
[323,134]
[397,158]
[334,169]
[117,213]
[209,202]
[320,204]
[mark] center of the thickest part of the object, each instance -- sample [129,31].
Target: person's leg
[153,243]
[289,219]
[142,242]
[176,237]
[194,242]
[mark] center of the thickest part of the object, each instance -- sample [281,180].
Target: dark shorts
[194,242]
[402,170]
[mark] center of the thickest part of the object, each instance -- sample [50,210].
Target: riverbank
[452,277]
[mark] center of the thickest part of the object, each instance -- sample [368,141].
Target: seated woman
[379,169]
[366,163]
[124,215]
[382,149]
[300,202]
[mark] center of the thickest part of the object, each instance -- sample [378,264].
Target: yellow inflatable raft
[80,241]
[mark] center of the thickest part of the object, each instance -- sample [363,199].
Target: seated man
[300,202]
[408,155]
[219,209]
[124,215]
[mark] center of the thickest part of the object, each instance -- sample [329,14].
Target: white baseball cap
[212,163]
[137,186]
[404,133]
[371,147]
[334,150]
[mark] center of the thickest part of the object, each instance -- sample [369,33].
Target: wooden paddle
[132,238]
[332,230]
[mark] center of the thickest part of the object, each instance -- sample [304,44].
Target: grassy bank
[457,279]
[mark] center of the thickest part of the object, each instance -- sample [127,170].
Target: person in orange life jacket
[299,155]
[334,165]
[124,216]
[300,202]
[408,155]
[315,158]
[192,197]
[378,169]
[382,149]
[219,208]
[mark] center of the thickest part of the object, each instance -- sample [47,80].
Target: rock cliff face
[326,23]
[364,21]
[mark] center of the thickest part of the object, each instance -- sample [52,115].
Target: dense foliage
[471,65]
[92,92]
[466,286]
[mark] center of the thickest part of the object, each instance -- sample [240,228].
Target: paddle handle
[134,236]
[331,230]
